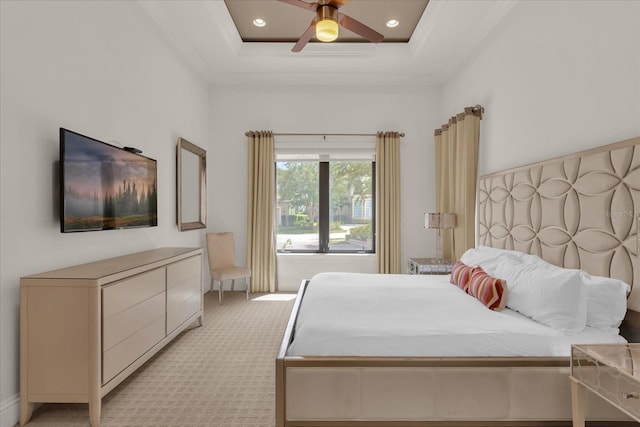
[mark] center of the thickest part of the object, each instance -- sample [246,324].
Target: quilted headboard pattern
[578,211]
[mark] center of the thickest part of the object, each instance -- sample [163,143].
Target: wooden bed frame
[576,211]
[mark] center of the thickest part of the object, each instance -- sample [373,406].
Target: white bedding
[352,314]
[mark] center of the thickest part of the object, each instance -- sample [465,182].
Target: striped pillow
[460,275]
[488,290]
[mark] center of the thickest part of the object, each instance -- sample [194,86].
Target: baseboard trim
[10,411]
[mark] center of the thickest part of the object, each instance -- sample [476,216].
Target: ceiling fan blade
[306,36]
[359,28]
[303,4]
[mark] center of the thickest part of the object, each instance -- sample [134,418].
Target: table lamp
[439,221]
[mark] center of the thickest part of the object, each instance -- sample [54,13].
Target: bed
[575,212]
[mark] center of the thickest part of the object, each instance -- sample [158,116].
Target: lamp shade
[439,220]
[327,30]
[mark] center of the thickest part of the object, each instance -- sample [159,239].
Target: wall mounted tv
[103,187]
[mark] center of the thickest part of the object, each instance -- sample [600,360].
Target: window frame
[324,217]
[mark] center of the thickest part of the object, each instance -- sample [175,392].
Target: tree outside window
[325,206]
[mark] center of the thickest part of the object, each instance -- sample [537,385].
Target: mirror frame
[189,147]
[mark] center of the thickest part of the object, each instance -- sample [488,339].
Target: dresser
[611,371]
[84,329]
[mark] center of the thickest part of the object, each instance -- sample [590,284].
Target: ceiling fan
[327,20]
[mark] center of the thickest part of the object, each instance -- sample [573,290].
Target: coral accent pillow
[488,290]
[460,275]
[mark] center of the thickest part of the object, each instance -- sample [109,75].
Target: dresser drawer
[127,322]
[614,384]
[118,357]
[629,395]
[183,270]
[133,320]
[127,293]
[183,301]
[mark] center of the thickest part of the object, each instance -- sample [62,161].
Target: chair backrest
[221,250]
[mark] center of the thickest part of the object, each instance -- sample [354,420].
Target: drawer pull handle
[630,395]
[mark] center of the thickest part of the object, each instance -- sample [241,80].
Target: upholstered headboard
[578,211]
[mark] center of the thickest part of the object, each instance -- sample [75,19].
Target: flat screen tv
[104,187]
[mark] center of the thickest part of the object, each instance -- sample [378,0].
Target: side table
[611,371]
[429,266]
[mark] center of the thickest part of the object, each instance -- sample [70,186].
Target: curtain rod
[323,134]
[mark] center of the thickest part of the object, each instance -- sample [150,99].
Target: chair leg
[220,291]
[211,286]
[248,287]
[233,284]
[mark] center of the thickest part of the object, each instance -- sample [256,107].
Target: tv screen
[104,187]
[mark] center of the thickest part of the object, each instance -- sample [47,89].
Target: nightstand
[611,371]
[429,266]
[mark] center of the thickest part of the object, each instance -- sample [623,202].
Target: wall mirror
[191,186]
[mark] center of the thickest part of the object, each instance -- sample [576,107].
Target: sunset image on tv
[105,187]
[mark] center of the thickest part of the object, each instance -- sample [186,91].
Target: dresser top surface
[112,266]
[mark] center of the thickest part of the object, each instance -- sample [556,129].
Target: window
[325,206]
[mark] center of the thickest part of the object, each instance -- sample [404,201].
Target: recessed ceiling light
[392,23]
[259,22]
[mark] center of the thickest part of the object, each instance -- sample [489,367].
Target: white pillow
[606,297]
[606,302]
[487,257]
[555,297]
[536,260]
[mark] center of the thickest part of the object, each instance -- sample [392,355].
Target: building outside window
[362,207]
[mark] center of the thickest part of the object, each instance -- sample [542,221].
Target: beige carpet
[221,374]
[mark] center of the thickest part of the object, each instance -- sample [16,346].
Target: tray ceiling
[440,35]
[286,23]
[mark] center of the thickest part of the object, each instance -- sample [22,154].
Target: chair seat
[230,273]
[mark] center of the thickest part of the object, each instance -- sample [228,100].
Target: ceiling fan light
[326,30]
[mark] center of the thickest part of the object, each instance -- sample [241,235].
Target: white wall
[318,109]
[102,69]
[555,77]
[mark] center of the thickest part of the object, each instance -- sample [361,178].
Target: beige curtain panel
[261,247]
[456,155]
[388,202]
